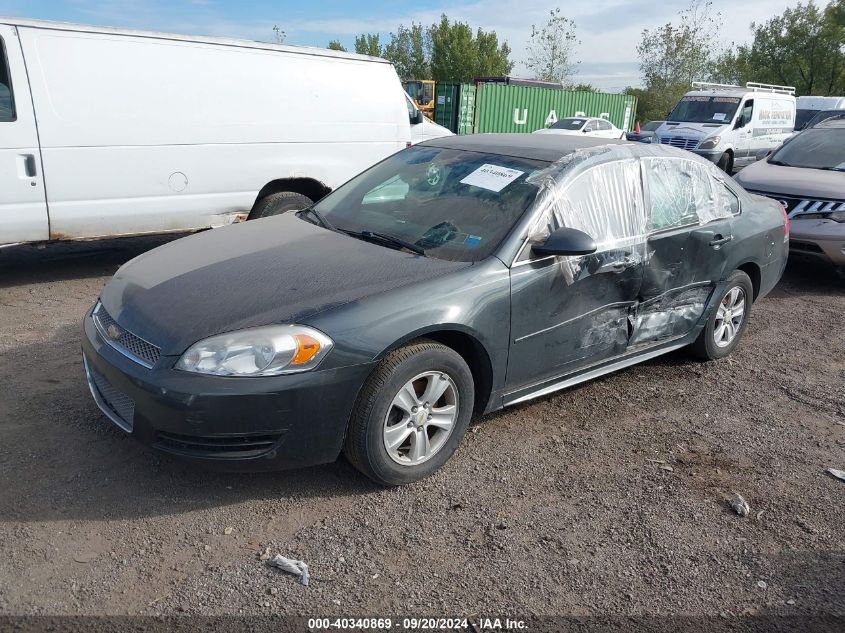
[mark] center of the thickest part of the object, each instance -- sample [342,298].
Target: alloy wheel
[421,418]
[729,317]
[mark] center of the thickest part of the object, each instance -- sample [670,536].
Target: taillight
[785,221]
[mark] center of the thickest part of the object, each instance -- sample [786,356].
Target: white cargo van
[730,125]
[807,107]
[108,132]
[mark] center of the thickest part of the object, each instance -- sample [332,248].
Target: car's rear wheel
[411,414]
[728,321]
[278,203]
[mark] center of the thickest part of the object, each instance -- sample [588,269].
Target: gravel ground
[608,500]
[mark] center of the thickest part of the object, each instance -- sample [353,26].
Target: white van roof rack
[751,85]
[758,87]
[707,85]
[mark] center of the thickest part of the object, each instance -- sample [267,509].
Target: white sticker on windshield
[492,177]
[719,116]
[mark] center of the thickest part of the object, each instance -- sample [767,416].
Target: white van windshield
[704,109]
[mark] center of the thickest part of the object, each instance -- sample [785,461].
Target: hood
[801,182]
[548,130]
[276,270]
[430,129]
[696,131]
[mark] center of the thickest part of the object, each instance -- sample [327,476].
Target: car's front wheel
[728,321]
[411,414]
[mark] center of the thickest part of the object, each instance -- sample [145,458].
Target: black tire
[365,448]
[278,203]
[726,163]
[705,346]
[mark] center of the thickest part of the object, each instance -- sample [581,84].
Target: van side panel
[141,134]
[23,204]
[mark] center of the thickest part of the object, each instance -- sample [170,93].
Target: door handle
[29,169]
[617,266]
[717,241]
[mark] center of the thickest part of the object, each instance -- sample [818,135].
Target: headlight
[710,143]
[261,351]
[837,216]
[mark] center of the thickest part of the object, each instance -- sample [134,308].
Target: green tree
[410,51]
[583,88]
[459,55]
[368,44]
[551,49]
[803,47]
[647,108]
[335,45]
[493,58]
[672,56]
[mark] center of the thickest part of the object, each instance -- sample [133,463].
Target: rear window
[7,106]
[568,124]
[816,148]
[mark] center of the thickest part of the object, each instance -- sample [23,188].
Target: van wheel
[727,324]
[726,163]
[278,203]
[411,414]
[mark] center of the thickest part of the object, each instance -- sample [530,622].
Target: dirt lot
[557,507]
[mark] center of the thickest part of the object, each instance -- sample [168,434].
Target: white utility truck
[730,125]
[107,132]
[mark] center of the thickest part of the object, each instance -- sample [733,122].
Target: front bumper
[263,423]
[713,155]
[818,239]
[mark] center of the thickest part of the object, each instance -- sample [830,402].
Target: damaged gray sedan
[457,277]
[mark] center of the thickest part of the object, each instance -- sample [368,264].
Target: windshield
[568,124]
[816,148]
[802,117]
[704,109]
[457,205]
[824,115]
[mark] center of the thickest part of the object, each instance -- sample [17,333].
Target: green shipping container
[503,108]
[454,106]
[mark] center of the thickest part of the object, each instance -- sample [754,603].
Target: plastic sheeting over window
[628,199]
[600,191]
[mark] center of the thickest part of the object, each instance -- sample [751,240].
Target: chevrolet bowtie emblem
[113,331]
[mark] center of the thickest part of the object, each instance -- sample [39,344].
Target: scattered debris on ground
[292,566]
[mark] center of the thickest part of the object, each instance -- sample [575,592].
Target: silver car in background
[807,176]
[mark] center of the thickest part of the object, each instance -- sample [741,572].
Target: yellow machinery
[422,92]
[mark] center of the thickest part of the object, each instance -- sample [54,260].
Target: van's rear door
[23,203]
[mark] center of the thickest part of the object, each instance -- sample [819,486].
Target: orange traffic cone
[637,127]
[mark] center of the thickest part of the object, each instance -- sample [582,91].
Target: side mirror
[763,153]
[566,241]
[416,117]
[740,122]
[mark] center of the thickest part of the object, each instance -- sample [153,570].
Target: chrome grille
[119,407]
[134,347]
[807,208]
[681,142]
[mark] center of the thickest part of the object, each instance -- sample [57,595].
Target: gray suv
[807,176]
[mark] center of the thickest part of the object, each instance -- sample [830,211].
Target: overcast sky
[609,30]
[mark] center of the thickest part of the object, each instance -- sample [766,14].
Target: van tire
[726,163]
[278,203]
